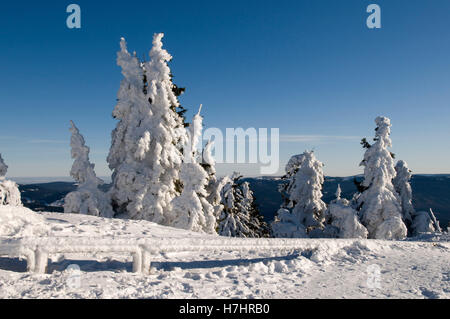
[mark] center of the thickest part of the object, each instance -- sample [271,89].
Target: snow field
[333,268]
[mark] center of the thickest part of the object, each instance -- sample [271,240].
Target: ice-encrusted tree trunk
[191,210]
[240,216]
[9,191]
[425,222]
[379,204]
[146,150]
[87,199]
[403,187]
[303,209]
[436,224]
[342,220]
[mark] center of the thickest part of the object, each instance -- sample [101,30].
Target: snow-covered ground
[418,268]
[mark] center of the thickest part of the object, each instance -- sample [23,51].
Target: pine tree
[416,222]
[240,216]
[146,150]
[191,210]
[303,209]
[379,205]
[402,185]
[3,168]
[9,191]
[215,184]
[289,185]
[87,198]
[177,107]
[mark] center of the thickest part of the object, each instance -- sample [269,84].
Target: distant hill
[429,191]
[40,197]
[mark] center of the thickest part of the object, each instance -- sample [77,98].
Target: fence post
[31,259]
[41,260]
[146,261]
[137,260]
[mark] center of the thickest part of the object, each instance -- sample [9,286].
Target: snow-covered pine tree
[191,210]
[240,216]
[303,209]
[3,168]
[402,185]
[9,191]
[87,198]
[289,184]
[215,184]
[379,204]
[342,220]
[146,150]
[416,222]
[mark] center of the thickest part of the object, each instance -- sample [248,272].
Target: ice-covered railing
[37,250]
[143,250]
[15,248]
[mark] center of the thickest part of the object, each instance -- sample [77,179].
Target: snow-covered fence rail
[13,248]
[37,250]
[142,250]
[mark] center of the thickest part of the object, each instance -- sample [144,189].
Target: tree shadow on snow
[13,264]
[90,265]
[202,264]
[19,265]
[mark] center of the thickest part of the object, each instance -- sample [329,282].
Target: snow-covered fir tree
[379,204]
[289,179]
[146,150]
[215,184]
[240,216]
[87,198]
[302,212]
[342,220]
[3,168]
[416,222]
[402,186]
[191,210]
[9,191]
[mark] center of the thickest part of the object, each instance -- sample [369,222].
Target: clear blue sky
[311,68]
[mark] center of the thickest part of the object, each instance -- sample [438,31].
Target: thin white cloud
[46,141]
[5,137]
[316,138]
[285,138]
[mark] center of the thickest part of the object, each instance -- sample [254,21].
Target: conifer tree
[3,168]
[240,216]
[87,198]
[379,205]
[215,184]
[191,210]
[303,209]
[146,151]
[402,186]
[9,191]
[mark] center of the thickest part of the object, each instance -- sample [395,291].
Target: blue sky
[311,68]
